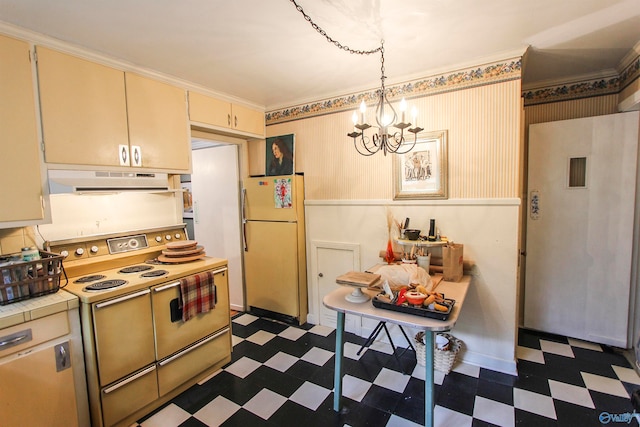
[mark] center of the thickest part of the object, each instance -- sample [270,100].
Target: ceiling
[266,53]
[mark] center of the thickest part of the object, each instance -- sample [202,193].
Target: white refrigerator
[275,264]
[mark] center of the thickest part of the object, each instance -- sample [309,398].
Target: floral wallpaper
[477,76]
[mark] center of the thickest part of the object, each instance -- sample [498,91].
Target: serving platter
[414,309]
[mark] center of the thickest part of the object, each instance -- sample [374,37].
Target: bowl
[415,297]
[412,233]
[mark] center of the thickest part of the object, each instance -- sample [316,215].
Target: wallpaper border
[497,72]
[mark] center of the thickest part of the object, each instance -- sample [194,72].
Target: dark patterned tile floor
[282,375]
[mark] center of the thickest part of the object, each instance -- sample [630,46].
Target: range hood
[75,181]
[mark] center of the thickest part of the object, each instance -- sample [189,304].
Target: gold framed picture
[422,172]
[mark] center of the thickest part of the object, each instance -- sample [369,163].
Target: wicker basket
[443,360]
[20,280]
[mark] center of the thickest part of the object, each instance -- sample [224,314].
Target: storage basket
[20,280]
[443,360]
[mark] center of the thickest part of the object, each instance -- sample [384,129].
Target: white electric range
[139,353]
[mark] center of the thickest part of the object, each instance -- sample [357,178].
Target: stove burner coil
[88,279]
[135,269]
[107,284]
[155,273]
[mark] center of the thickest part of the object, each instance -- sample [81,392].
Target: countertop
[35,308]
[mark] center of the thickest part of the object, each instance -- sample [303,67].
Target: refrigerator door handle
[244,220]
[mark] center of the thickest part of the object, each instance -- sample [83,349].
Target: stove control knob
[64,254]
[168,237]
[79,251]
[94,249]
[178,236]
[158,239]
[133,243]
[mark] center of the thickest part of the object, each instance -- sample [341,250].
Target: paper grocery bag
[452,262]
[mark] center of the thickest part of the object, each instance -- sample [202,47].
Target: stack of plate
[183,251]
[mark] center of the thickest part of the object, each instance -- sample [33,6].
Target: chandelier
[386,139]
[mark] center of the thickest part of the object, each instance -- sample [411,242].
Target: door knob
[320,275]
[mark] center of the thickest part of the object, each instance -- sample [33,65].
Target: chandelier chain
[332,40]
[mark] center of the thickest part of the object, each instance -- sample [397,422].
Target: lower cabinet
[39,361]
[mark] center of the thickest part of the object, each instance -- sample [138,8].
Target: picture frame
[280,159]
[422,172]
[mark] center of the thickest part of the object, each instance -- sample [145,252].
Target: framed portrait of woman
[280,158]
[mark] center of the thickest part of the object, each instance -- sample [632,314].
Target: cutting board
[178,259]
[185,244]
[183,252]
[358,278]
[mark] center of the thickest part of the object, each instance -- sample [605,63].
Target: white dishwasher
[42,372]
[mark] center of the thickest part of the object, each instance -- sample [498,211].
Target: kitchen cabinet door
[247,120]
[211,111]
[158,124]
[20,166]
[84,110]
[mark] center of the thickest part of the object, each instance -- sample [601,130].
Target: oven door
[124,341]
[172,334]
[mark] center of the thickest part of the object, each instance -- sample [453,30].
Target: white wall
[488,230]
[75,215]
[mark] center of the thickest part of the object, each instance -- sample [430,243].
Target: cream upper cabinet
[20,164]
[247,119]
[212,111]
[95,115]
[158,124]
[84,110]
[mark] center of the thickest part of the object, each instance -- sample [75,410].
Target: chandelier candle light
[385,113]
[384,141]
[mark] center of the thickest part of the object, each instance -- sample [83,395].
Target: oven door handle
[121,299]
[177,283]
[167,286]
[128,380]
[201,343]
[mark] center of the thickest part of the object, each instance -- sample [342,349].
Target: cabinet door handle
[124,298]
[62,357]
[229,119]
[15,339]
[235,125]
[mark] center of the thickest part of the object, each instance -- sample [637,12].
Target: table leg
[429,401]
[337,378]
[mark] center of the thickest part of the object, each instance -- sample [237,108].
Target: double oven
[138,352]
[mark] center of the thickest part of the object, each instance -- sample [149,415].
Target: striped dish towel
[198,294]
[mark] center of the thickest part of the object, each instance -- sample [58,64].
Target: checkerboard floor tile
[281,375]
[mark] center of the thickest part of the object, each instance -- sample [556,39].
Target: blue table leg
[429,400]
[337,378]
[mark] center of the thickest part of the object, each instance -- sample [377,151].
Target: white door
[581,183]
[215,184]
[333,260]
